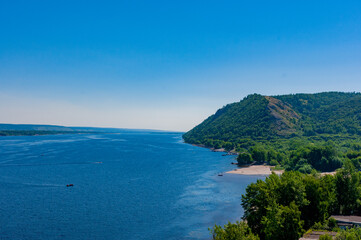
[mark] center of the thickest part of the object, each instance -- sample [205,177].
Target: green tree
[259,154]
[320,192]
[244,158]
[281,190]
[282,222]
[325,237]
[289,188]
[348,189]
[233,231]
[228,146]
[255,203]
[349,234]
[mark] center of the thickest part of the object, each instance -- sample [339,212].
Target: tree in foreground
[348,189]
[283,207]
[233,231]
[275,195]
[349,234]
[326,237]
[282,222]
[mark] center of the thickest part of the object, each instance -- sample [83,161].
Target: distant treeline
[33,132]
[36,129]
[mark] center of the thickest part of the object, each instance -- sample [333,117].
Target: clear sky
[168,64]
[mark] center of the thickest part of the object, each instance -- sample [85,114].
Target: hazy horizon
[132,128]
[168,65]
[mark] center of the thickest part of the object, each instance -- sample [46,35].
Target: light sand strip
[255,170]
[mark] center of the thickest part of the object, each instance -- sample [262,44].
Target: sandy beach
[328,173]
[255,170]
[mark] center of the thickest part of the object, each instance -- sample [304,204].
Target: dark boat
[70,185]
[220,174]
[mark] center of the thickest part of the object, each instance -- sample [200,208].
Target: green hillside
[286,128]
[331,112]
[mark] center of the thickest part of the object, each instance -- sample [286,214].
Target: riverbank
[232,152]
[255,170]
[264,170]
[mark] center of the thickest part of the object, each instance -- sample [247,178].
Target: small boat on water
[220,174]
[69,185]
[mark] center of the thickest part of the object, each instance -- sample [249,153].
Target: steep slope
[231,121]
[254,116]
[285,119]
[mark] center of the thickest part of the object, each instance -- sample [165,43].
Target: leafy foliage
[265,197]
[233,231]
[283,222]
[245,118]
[325,237]
[348,190]
[349,234]
[244,158]
[328,225]
[283,207]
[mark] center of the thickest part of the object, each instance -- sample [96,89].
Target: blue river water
[131,185]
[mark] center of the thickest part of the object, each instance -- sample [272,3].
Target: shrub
[273,162]
[349,234]
[244,158]
[233,231]
[325,237]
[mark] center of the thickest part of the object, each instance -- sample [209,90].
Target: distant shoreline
[9,133]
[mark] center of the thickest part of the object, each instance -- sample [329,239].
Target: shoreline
[215,149]
[264,170]
[260,170]
[255,170]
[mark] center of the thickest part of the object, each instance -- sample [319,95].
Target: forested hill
[267,117]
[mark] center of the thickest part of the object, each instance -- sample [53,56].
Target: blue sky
[168,64]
